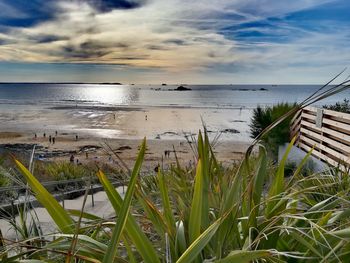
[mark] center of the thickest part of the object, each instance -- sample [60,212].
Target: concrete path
[102,208]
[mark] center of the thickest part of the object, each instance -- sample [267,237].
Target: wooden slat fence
[325,130]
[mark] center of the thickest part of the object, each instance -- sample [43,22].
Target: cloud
[173,36]
[22,13]
[109,5]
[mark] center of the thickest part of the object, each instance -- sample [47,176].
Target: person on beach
[44,135]
[71,159]
[56,133]
[53,140]
[50,139]
[35,136]
[76,137]
[156,169]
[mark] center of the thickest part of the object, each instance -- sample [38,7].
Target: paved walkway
[102,208]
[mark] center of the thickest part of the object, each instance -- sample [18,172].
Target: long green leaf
[196,207]
[180,238]
[139,239]
[168,213]
[277,186]
[343,233]
[85,215]
[257,188]
[198,245]
[124,211]
[62,219]
[32,261]
[241,256]
[206,179]
[260,176]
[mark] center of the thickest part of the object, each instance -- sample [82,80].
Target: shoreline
[99,150]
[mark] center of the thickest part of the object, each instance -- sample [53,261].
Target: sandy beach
[98,130]
[99,149]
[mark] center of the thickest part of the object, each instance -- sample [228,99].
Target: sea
[200,96]
[134,111]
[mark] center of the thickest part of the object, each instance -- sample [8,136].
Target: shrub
[263,117]
[343,106]
[66,171]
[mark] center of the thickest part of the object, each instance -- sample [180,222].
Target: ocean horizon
[205,96]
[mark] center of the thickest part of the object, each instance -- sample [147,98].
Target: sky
[174,41]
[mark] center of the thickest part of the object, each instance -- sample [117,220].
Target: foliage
[240,214]
[263,117]
[65,171]
[4,181]
[343,106]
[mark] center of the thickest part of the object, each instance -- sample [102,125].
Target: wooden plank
[296,123]
[331,132]
[317,136]
[322,157]
[327,149]
[345,116]
[305,115]
[310,108]
[337,124]
[296,116]
[295,131]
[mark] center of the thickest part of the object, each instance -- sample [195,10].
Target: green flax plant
[246,213]
[210,213]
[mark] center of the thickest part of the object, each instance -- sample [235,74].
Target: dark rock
[169,133]
[237,121]
[89,148]
[122,148]
[20,146]
[230,131]
[182,88]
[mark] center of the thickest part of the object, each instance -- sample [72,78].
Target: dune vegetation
[263,117]
[243,213]
[341,106]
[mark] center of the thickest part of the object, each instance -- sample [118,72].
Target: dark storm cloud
[92,50]
[109,5]
[131,58]
[27,13]
[24,13]
[178,42]
[84,51]
[48,38]
[157,47]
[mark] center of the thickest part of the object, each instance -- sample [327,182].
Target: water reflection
[119,95]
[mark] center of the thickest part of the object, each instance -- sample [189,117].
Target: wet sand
[125,122]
